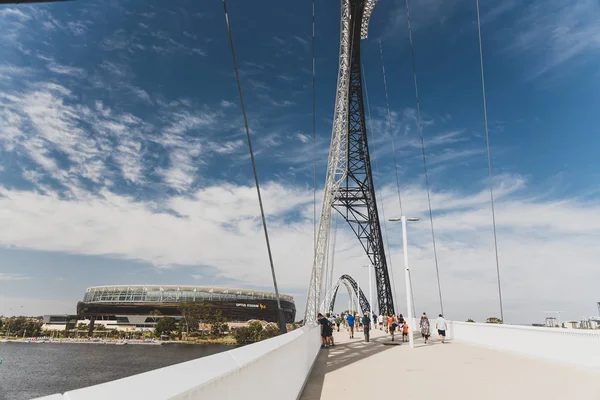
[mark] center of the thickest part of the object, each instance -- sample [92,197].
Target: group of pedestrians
[440,325]
[390,324]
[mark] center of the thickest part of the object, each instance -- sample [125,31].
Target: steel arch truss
[355,199]
[352,287]
[349,184]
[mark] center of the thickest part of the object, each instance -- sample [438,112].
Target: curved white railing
[577,347]
[276,369]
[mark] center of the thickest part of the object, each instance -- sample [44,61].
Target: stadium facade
[135,305]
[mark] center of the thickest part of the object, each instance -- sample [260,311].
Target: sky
[123,156]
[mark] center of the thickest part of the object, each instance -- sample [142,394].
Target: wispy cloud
[14,13]
[66,70]
[555,33]
[13,277]
[286,78]
[227,104]
[118,70]
[227,147]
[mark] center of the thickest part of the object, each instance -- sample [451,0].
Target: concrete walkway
[354,369]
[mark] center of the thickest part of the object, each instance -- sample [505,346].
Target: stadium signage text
[261,306]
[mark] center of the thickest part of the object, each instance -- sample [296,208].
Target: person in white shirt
[441,326]
[380,320]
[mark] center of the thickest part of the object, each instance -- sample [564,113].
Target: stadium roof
[188,288]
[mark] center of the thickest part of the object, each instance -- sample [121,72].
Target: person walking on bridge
[424,325]
[366,326]
[405,331]
[325,331]
[392,324]
[350,321]
[441,326]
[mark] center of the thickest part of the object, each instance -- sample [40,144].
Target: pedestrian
[392,324]
[380,320]
[338,321]
[374,321]
[424,325]
[350,321]
[324,331]
[404,331]
[366,326]
[441,326]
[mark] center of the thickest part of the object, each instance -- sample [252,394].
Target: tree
[494,320]
[155,314]
[254,332]
[1,323]
[165,326]
[218,324]
[470,320]
[192,314]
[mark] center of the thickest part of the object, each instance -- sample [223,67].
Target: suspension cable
[314,126]
[487,142]
[282,326]
[412,54]
[387,102]
[385,230]
[333,249]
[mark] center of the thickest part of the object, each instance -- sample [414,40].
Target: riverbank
[227,340]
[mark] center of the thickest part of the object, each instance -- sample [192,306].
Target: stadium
[135,305]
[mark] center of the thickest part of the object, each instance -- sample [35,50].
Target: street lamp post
[370,288]
[403,219]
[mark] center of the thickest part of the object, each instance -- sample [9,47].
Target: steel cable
[412,54]
[382,206]
[487,142]
[282,325]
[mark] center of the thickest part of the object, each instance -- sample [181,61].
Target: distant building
[551,322]
[133,306]
[59,322]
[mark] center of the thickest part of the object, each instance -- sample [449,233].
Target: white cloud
[227,104]
[118,70]
[555,32]
[66,70]
[140,93]
[547,247]
[302,137]
[14,12]
[227,147]
[13,277]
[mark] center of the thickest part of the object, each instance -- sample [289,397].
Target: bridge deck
[354,369]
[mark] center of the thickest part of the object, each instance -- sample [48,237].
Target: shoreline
[228,341]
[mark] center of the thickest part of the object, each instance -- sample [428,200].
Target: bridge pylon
[349,185]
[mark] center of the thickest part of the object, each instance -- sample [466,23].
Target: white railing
[272,369]
[578,347]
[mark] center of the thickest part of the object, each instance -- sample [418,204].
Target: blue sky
[123,156]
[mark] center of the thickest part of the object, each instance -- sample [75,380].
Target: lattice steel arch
[348,280]
[355,200]
[355,16]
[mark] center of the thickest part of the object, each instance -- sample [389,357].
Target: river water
[32,370]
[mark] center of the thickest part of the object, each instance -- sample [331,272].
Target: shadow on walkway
[340,356]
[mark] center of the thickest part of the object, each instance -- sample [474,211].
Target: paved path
[354,369]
